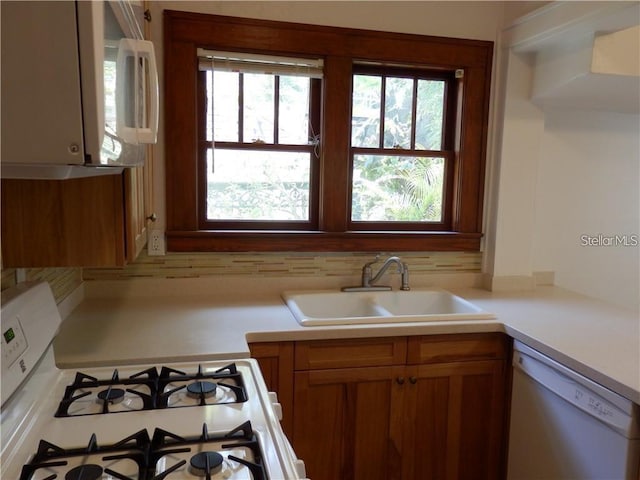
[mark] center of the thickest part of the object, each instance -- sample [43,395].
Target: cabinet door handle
[400,380]
[413,380]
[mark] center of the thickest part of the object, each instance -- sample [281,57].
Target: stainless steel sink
[312,308]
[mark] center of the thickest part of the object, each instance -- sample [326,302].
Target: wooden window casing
[340,49]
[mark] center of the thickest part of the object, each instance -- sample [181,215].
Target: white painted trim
[551,23]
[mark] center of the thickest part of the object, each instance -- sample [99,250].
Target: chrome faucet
[368,280]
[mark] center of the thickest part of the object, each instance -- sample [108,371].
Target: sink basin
[348,308]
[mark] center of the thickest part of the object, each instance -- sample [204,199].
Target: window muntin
[399,153]
[260,149]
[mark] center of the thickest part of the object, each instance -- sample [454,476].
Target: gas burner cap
[197,389]
[84,472]
[114,395]
[200,461]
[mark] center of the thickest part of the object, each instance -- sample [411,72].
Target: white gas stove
[213,420]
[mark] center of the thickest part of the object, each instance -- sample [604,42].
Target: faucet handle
[375,260]
[405,277]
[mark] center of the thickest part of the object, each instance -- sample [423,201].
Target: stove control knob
[277,407]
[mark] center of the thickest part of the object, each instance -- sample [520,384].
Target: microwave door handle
[126,49]
[149,133]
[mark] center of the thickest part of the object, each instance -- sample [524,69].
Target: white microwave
[79,88]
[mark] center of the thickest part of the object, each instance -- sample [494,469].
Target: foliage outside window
[386,152]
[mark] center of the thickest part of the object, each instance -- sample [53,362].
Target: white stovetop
[75,431]
[188,322]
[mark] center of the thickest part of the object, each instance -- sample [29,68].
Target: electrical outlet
[155,243]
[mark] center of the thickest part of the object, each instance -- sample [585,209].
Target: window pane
[397,188]
[224,104]
[398,99]
[365,116]
[429,113]
[258,107]
[293,121]
[258,185]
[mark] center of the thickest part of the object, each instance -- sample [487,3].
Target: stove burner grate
[147,452]
[49,456]
[159,388]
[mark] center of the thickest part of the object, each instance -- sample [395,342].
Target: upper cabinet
[94,221]
[585,54]
[85,222]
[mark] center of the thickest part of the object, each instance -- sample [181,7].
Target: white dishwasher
[567,427]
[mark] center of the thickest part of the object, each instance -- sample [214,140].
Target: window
[259,141]
[401,148]
[382,150]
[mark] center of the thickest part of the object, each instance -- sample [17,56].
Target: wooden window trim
[184,32]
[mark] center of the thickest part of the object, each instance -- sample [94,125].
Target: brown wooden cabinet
[347,422]
[276,363]
[85,222]
[430,407]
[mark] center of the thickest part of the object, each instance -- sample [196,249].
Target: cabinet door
[63,223]
[347,422]
[136,210]
[454,422]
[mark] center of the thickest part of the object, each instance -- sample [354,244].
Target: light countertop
[596,339]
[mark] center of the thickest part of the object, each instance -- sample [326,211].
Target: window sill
[279,241]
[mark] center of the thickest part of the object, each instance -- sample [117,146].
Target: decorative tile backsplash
[63,281]
[193,265]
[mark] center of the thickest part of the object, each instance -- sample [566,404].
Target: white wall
[509,213]
[464,19]
[558,175]
[588,183]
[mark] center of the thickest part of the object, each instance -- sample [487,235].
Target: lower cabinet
[453,421]
[424,407]
[276,364]
[347,422]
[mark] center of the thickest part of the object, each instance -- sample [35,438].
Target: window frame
[449,126]
[205,224]
[340,48]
